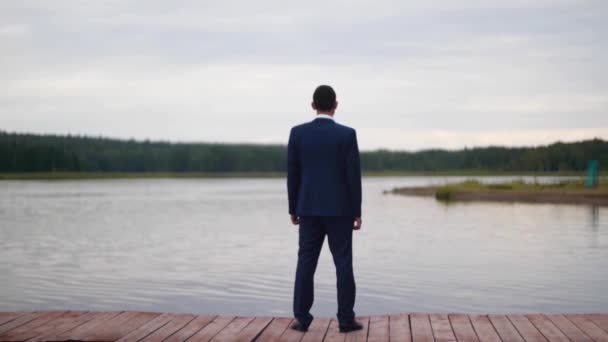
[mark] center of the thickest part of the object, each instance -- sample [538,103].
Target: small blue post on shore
[592,174]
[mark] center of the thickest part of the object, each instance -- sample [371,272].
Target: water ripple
[226,247]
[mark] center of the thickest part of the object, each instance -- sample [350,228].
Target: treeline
[52,153]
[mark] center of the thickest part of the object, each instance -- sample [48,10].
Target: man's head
[324,100]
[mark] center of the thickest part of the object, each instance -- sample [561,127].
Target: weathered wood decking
[147,326]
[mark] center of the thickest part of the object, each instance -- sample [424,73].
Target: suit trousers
[312,231]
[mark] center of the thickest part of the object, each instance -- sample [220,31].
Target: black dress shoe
[350,326]
[299,326]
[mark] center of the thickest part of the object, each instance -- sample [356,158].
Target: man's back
[324,174]
[324,190]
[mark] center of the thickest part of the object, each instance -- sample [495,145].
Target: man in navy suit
[324,190]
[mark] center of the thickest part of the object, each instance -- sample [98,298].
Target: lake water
[225,246]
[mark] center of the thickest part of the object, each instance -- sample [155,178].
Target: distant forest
[52,153]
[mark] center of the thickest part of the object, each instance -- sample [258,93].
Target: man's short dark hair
[324,98]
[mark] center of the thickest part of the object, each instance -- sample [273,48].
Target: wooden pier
[149,326]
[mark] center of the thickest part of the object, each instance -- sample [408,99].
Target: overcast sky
[408,74]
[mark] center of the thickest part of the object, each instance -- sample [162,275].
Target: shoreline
[600,199]
[202,175]
[471,191]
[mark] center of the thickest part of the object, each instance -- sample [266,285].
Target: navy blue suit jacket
[323,170]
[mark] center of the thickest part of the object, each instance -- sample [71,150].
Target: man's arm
[353,175]
[293,175]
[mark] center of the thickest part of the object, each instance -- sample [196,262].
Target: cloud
[13,30]
[447,73]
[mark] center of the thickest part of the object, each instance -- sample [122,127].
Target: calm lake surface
[225,246]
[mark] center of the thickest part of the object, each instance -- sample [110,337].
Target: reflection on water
[595,216]
[225,246]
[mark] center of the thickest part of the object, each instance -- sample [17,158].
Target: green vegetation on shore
[53,156]
[519,186]
[570,191]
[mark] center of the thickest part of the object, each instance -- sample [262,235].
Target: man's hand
[295,220]
[358,223]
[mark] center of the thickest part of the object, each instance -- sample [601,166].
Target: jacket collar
[323,117]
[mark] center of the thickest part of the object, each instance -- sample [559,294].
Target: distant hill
[54,153]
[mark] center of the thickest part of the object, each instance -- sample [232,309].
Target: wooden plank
[136,326]
[147,328]
[19,321]
[568,328]
[211,329]
[316,330]
[190,329]
[27,330]
[399,328]
[9,316]
[232,329]
[111,329]
[62,325]
[547,328]
[133,323]
[251,331]
[275,329]
[333,333]
[601,320]
[484,329]
[463,329]
[506,330]
[378,329]
[82,329]
[442,329]
[290,335]
[421,328]
[178,322]
[526,328]
[360,335]
[162,333]
[590,329]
